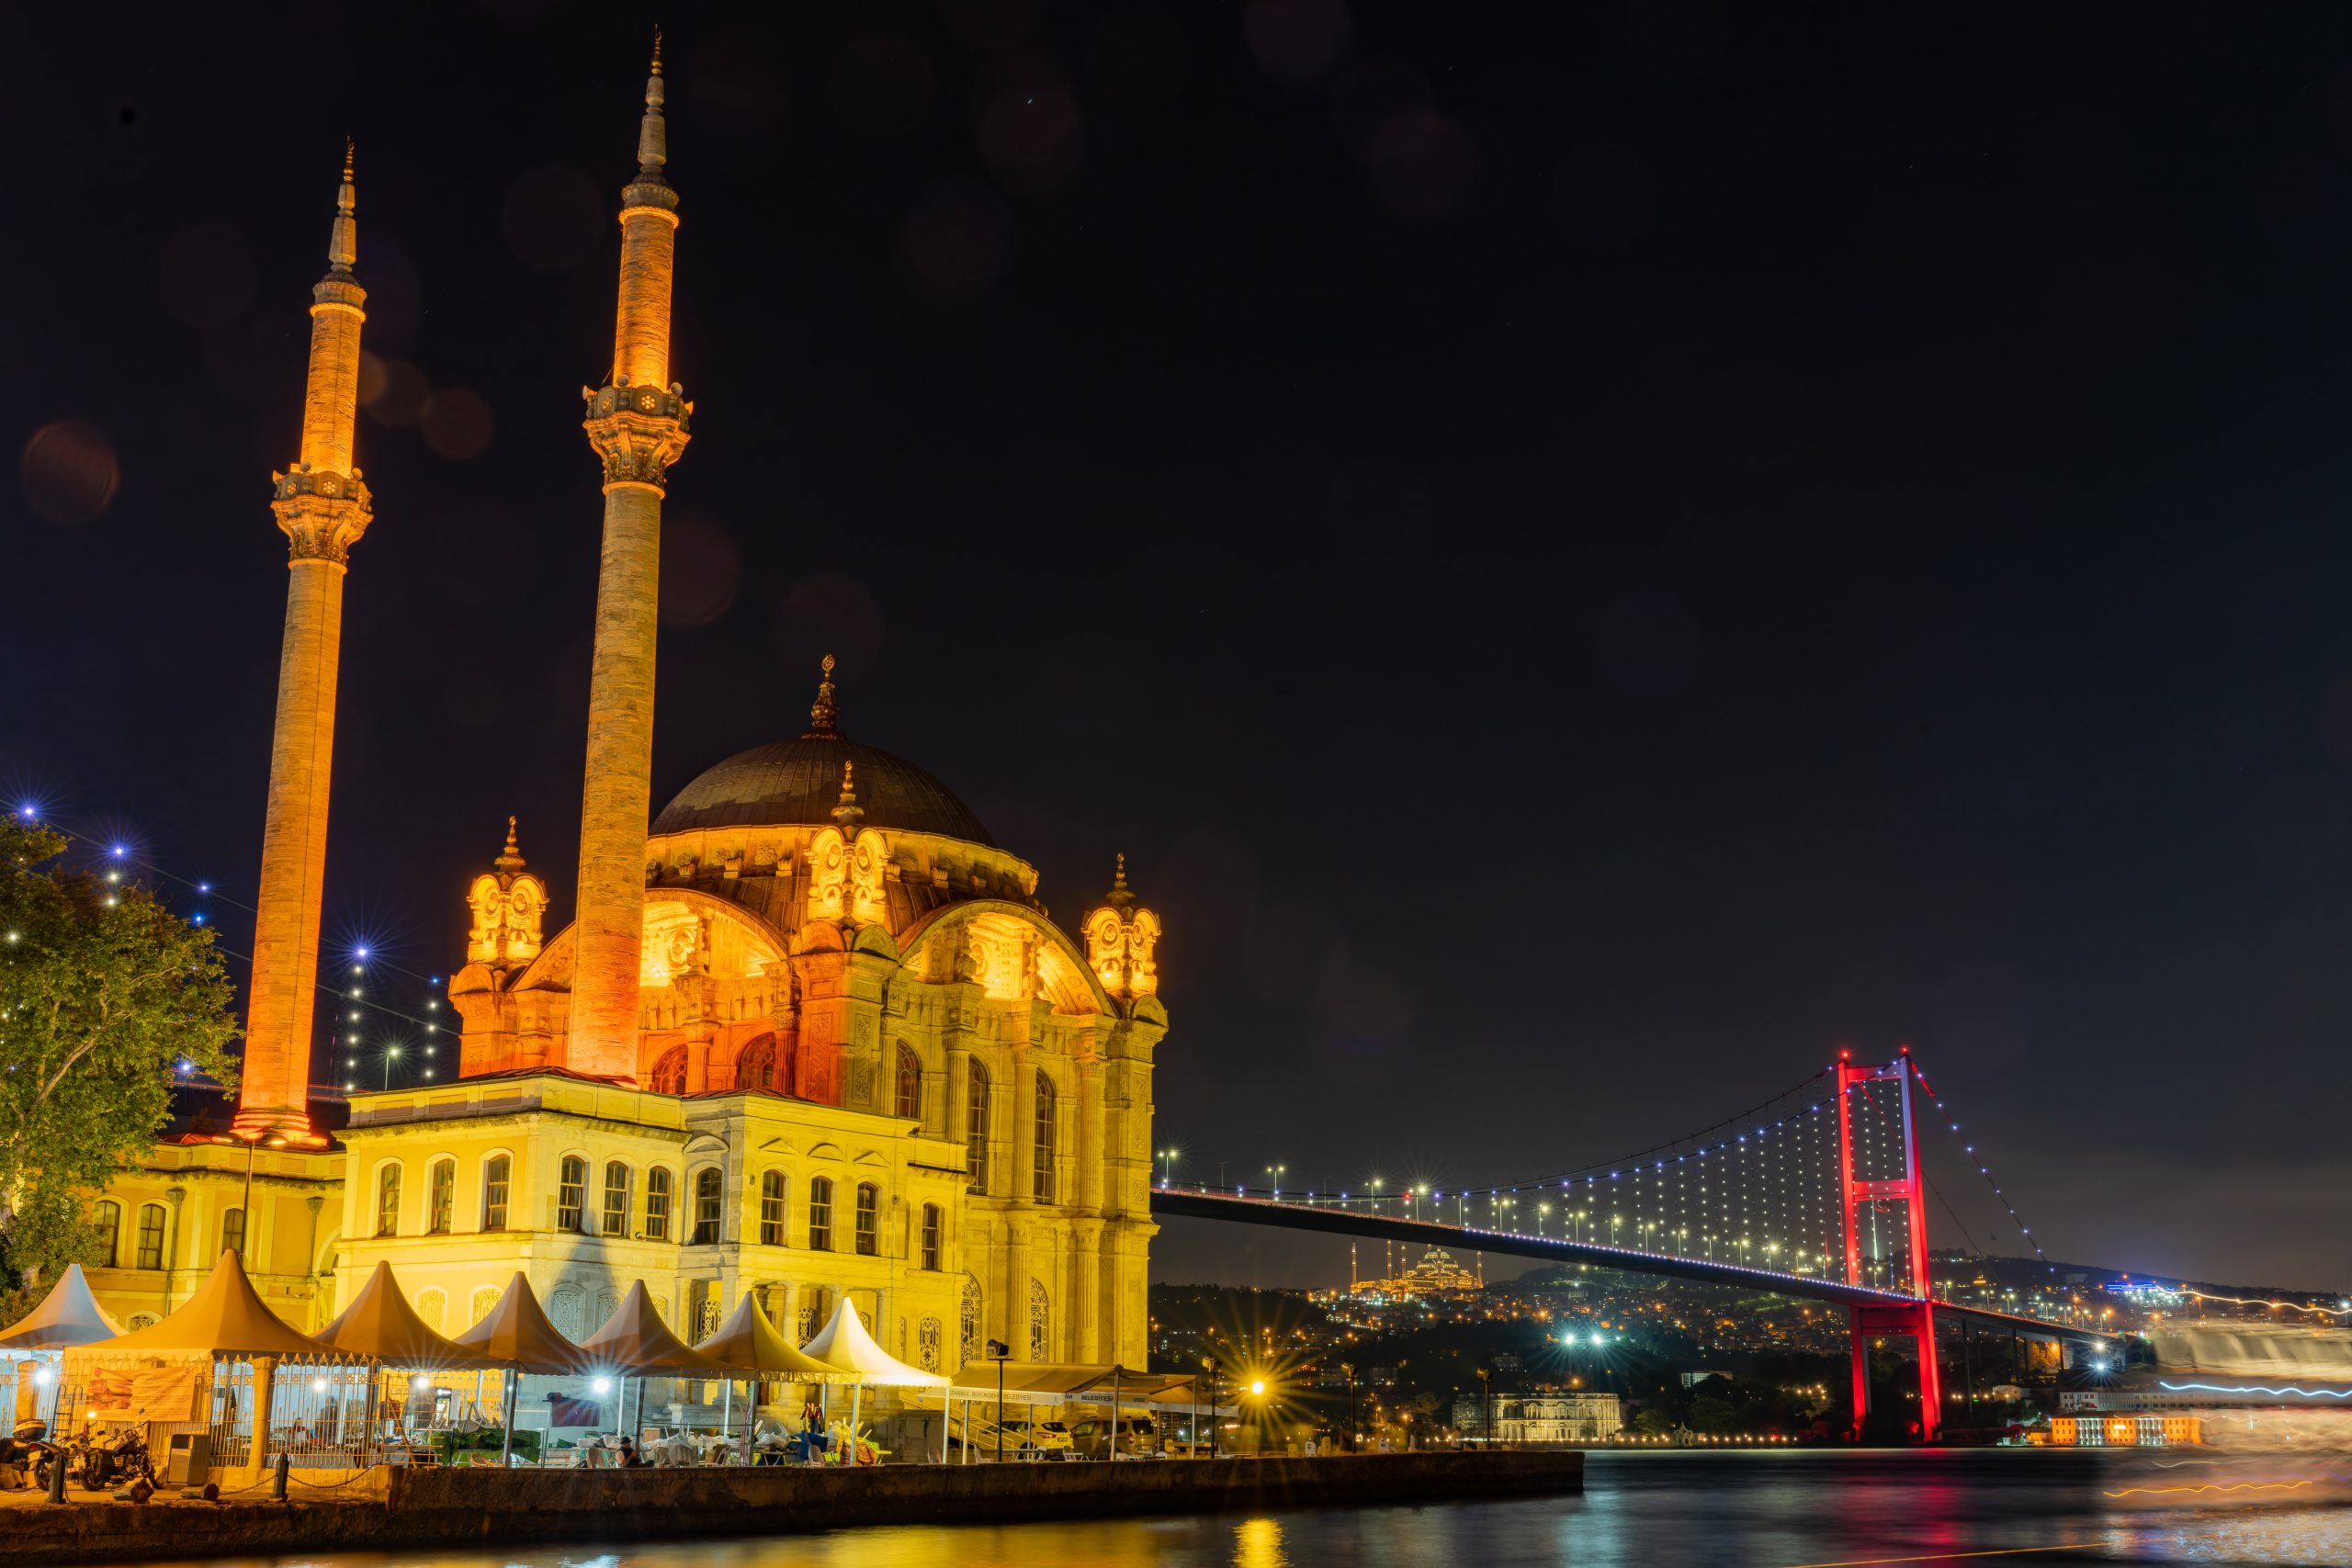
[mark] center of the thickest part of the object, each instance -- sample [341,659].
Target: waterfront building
[813,1036]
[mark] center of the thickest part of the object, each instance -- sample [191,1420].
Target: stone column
[958,1092]
[1017,1267]
[1089,1333]
[1090,1137]
[1021,1138]
[637,425]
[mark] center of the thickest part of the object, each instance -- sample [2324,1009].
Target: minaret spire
[323,506]
[637,425]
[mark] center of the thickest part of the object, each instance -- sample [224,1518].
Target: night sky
[1589,555]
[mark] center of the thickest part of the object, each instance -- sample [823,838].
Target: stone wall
[443,1508]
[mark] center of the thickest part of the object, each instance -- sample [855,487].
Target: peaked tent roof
[382,1326]
[517,1334]
[225,1317]
[844,1345]
[748,1342]
[68,1316]
[635,1342]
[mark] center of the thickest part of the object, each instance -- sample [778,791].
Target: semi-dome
[792,782]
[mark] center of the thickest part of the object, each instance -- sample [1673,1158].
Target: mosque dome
[800,782]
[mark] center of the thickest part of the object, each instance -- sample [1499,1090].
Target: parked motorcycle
[105,1460]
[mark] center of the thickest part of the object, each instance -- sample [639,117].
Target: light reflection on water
[1754,1510]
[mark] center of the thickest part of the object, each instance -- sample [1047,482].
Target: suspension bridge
[1817,1194]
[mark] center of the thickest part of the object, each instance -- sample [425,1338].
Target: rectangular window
[233,1231]
[616,1220]
[570,1193]
[868,1202]
[493,1192]
[931,1237]
[707,1183]
[388,1201]
[820,1213]
[1041,1172]
[442,1192]
[772,1209]
[975,1129]
[150,1236]
[657,1204]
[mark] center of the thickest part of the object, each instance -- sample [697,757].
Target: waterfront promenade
[438,1508]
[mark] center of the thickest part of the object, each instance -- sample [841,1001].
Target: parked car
[1137,1436]
[1039,1439]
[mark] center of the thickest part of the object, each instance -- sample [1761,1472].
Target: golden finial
[848,811]
[510,860]
[823,711]
[652,135]
[1119,896]
[657,49]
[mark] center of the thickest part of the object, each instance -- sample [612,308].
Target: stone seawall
[455,1507]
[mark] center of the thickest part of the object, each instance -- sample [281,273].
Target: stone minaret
[324,508]
[637,422]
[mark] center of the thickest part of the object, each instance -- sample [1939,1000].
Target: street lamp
[1274,1179]
[999,1352]
[1486,1399]
[1348,1370]
[1168,1166]
[1208,1365]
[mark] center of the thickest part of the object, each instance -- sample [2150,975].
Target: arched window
[1042,1175]
[931,1237]
[616,1220]
[568,1310]
[233,1231]
[485,1301]
[869,1201]
[706,1205]
[572,1193]
[668,1075]
[755,1065]
[106,1220]
[495,1172]
[907,1102]
[976,1127]
[772,1209]
[150,1236]
[432,1306]
[388,1201]
[820,1213]
[968,1324]
[657,1204]
[1041,1324]
[927,1345]
[441,1192]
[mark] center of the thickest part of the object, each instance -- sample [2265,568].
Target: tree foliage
[102,993]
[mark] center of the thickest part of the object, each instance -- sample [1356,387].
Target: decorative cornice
[639,431]
[323,512]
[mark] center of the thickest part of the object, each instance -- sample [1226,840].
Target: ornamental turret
[323,505]
[637,425]
[1120,936]
[508,904]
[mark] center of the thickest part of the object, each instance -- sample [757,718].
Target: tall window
[772,1209]
[616,1220]
[570,1193]
[931,1235]
[668,1075]
[976,1128]
[657,1204]
[706,1184]
[233,1231]
[868,1202]
[755,1065]
[1041,1324]
[1042,1175]
[388,1201]
[820,1213]
[441,1195]
[106,1220]
[908,1101]
[495,1172]
[150,1236]
[967,1323]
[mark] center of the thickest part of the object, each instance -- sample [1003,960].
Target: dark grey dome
[800,782]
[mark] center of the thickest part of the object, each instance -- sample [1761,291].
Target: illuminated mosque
[813,1037]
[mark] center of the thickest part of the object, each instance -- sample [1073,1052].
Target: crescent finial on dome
[824,711]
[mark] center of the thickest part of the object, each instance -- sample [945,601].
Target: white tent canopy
[69,1315]
[844,1345]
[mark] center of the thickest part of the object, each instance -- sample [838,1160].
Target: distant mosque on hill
[811,1038]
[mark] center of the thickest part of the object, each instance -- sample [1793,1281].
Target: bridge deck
[1177,1204]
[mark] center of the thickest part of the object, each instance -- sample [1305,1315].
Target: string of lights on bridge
[348,1000]
[1764,1198]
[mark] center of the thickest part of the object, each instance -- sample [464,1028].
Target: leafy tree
[1712,1413]
[103,992]
[1652,1422]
